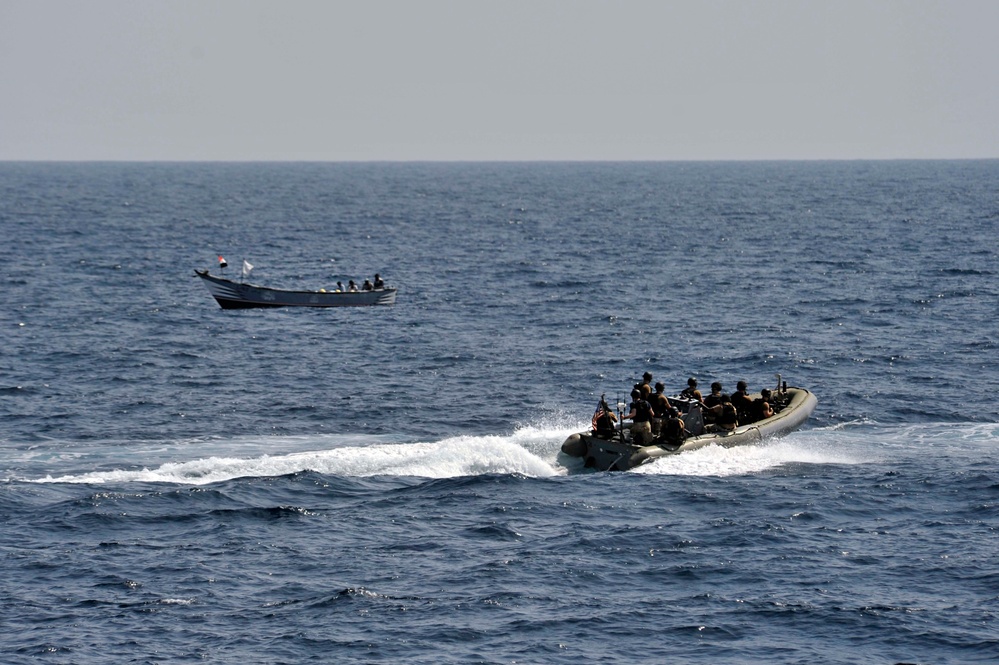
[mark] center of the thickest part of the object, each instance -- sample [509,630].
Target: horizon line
[494,161]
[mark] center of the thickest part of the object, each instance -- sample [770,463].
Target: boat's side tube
[574,446]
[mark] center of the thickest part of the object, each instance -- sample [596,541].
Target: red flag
[222,263]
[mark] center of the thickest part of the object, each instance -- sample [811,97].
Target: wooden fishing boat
[241,295]
[615,451]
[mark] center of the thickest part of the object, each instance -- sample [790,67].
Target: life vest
[713,400]
[729,418]
[643,411]
[743,406]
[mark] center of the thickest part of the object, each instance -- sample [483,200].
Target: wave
[529,451]
[533,451]
[852,443]
[743,460]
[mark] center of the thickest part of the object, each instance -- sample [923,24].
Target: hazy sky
[504,80]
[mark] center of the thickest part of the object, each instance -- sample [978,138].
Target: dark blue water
[186,484]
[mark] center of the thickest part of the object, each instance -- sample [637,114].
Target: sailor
[713,402]
[603,419]
[367,286]
[660,404]
[659,400]
[715,398]
[762,408]
[640,413]
[647,381]
[743,405]
[674,431]
[351,286]
[728,419]
[691,391]
[646,389]
[379,283]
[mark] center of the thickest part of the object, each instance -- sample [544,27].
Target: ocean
[182,484]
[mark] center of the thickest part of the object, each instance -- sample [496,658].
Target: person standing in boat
[691,391]
[647,382]
[645,387]
[640,414]
[646,390]
[660,404]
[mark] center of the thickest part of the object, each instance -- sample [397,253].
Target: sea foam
[528,451]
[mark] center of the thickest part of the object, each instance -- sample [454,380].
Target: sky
[483,80]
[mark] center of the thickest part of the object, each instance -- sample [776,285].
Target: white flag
[246,268]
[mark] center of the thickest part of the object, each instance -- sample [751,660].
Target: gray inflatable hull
[620,455]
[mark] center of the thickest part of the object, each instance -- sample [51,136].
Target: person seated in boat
[762,408]
[728,419]
[713,403]
[640,414]
[367,286]
[691,391]
[603,420]
[674,431]
[351,287]
[339,287]
[714,398]
[379,283]
[743,404]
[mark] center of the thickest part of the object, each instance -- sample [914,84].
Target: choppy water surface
[184,483]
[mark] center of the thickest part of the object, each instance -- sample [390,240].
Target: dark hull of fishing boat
[617,452]
[237,295]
